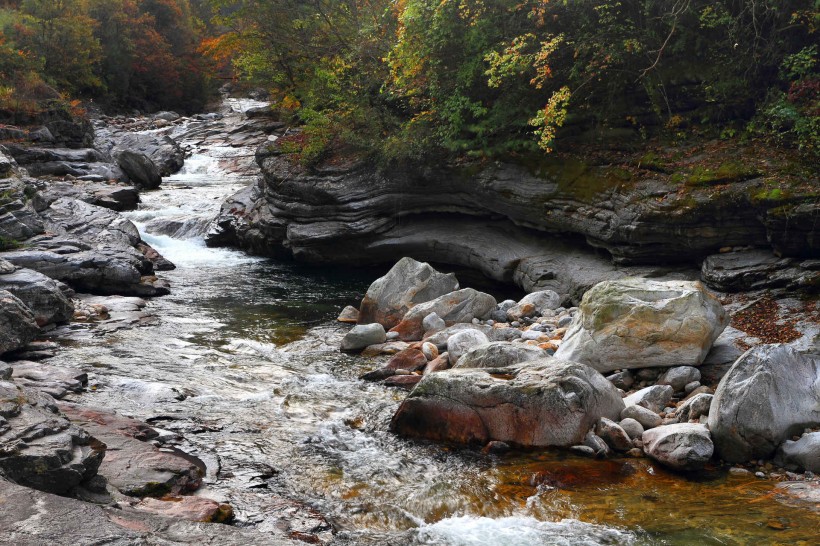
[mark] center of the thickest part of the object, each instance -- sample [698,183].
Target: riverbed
[242,370]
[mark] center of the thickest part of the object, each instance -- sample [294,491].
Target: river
[244,364]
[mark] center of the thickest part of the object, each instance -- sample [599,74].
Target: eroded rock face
[640,323]
[771,393]
[39,447]
[91,249]
[548,402]
[407,284]
[456,307]
[682,446]
[18,325]
[42,295]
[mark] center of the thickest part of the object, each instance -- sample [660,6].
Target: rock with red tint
[442,362]
[457,307]
[407,284]
[547,402]
[403,381]
[189,508]
[137,468]
[409,359]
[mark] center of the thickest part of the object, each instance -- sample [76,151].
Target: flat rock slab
[53,380]
[136,467]
[188,508]
[33,518]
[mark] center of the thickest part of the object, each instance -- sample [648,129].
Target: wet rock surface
[32,517]
[18,325]
[132,464]
[542,403]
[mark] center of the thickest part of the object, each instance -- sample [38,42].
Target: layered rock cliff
[563,224]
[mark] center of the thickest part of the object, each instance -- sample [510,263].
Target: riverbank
[238,368]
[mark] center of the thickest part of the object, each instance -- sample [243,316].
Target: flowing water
[244,364]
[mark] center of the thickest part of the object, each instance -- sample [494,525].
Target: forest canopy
[411,79]
[126,53]
[406,78]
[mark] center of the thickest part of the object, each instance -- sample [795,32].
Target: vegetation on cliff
[490,78]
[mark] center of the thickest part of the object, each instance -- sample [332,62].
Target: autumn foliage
[124,53]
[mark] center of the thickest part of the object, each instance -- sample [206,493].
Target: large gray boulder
[548,402]
[407,284]
[639,323]
[460,306]
[17,323]
[140,169]
[682,446]
[42,295]
[162,150]
[771,393]
[499,354]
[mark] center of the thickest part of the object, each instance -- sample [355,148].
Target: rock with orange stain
[547,402]
[639,323]
[349,315]
[457,307]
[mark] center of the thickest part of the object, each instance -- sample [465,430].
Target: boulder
[654,398]
[632,427]
[39,447]
[363,335]
[804,454]
[349,315]
[694,407]
[163,151]
[549,402]
[678,377]
[499,354]
[647,418]
[140,169]
[440,338]
[407,284]
[42,295]
[536,303]
[456,307]
[408,359]
[433,323]
[460,343]
[771,393]
[682,446]
[18,324]
[639,323]
[614,435]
